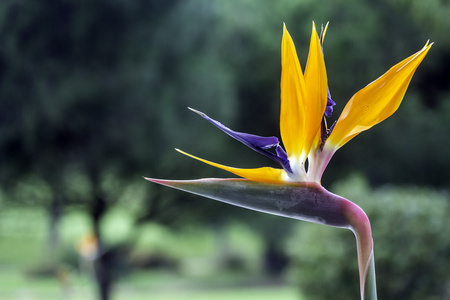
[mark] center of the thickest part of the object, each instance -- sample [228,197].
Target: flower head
[305,101]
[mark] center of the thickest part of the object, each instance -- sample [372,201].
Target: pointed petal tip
[426,47]
[285,31]
[165,182]
[182,152]
[324,31]
[196,111]
[159,181]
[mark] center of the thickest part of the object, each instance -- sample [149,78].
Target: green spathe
[302,201]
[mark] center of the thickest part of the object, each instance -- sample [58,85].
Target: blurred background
[94,95]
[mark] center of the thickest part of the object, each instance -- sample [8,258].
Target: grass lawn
[23,249]
[280,293]
[14,284]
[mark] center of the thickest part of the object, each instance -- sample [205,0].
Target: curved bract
[307,201]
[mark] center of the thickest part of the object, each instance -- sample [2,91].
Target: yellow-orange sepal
[377,101]
[317,89]
[293,99]
[264,174]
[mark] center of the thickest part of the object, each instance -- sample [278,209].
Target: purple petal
[283,156]
[330,104]
[258,143]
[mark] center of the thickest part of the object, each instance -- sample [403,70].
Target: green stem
[370,292]
[360,226]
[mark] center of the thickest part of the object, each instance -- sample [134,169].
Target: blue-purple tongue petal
[258,143]
[283,156]
[330,104]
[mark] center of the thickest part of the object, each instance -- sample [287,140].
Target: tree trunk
[102,265]
[275,260]
[54,212]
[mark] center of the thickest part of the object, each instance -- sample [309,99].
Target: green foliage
[410,230]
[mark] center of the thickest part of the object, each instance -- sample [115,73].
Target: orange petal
[377,101]
[265,174]
[317,85]
[293,98]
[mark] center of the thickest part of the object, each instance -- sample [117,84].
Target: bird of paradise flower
[294,190]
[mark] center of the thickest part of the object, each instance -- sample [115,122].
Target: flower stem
[360,226]
[370,292]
